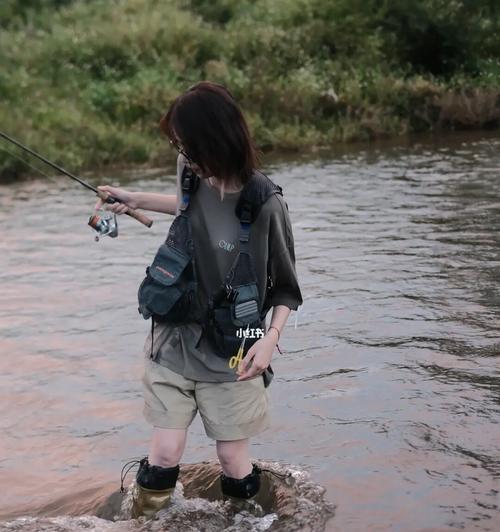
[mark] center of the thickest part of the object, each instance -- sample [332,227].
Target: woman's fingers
[100,203]
[242,367]
[251,372]
[248,368]
[118,207]
[121,208]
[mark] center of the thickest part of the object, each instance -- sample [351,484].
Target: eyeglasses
[180,149]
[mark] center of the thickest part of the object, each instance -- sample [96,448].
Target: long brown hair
[213,132]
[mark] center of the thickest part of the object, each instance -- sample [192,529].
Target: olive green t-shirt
[215,228]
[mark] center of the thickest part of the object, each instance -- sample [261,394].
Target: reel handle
[105,196]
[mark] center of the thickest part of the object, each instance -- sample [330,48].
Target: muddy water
[388,390]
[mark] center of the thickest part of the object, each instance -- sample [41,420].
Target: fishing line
[19,158]
[53,165]
[94,221]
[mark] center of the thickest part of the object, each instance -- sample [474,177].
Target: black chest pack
[168,292]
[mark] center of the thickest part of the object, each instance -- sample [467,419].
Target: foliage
[86,81]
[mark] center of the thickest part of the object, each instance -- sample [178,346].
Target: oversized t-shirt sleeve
[281,268]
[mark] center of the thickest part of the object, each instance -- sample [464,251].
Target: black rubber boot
[154,488]
[255,493]
[242,488]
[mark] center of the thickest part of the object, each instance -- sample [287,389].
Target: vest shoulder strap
[189,185]
[258,189]
[255,193]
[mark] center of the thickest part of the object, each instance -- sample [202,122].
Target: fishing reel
[104,224]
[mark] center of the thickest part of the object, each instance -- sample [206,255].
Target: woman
[184,371]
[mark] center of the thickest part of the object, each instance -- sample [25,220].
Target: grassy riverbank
[85,82]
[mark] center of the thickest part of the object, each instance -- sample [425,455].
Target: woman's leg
[234,457]
[240,478]
[169,400]
[167,446]
[158,472]
[232,412]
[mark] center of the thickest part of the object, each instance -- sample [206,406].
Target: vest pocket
[227,336]
[168,265]
[234,320]
[167,291]
[245,309]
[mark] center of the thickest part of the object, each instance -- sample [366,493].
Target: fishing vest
[168,292]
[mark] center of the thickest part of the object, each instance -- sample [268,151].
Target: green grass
[86,82]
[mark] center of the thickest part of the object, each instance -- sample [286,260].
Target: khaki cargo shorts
[229,410]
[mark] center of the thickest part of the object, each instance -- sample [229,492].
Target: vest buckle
[245,221]
[231,293]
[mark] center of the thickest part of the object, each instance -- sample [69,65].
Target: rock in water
[287,502]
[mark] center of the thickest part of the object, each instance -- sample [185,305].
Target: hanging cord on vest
[152,333]
[299,308]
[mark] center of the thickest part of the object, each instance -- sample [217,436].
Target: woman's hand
[126,198]
[260,355]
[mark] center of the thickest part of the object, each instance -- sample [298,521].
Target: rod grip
[142,218]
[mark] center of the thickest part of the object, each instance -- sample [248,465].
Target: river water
[388,389]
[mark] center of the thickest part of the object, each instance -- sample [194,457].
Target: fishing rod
[102,225]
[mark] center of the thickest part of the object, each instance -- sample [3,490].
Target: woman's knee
[167,446]
[234,457]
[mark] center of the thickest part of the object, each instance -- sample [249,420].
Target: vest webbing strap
[245,224]
[189,184]
[247,209]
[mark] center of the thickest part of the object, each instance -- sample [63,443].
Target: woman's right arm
[152,201]
[149,201]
